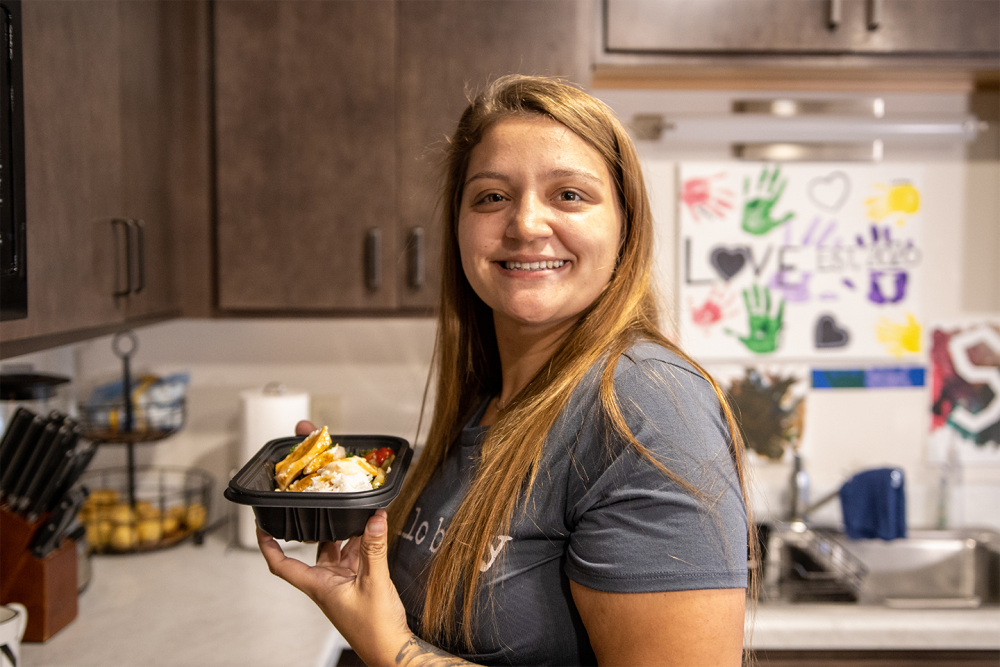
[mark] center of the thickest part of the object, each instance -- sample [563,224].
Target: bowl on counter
[301,516]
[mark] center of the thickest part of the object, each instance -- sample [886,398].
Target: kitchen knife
[65,440]
[82,456]
[50,535]
[20,458]
[45,441]
[49,497]
[16,429]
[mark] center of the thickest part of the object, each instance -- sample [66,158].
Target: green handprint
[757,210]
[764,329]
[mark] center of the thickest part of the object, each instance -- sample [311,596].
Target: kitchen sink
[928,568]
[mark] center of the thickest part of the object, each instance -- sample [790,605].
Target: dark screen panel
[13,238]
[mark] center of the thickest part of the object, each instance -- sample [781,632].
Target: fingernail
[375,526]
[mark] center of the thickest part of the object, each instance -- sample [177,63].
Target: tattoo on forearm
[418,653]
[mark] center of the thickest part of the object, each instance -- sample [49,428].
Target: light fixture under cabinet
[852,127]
[810,152]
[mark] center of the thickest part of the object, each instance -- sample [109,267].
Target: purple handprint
[875,294]
[887,279]
[797,291]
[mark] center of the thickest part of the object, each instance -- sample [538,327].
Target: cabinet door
[758,26]
[819,27]
[147,132]
[305,154]
[73,176]
[449,47]
[934,27]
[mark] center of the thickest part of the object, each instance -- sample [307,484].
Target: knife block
[45,586]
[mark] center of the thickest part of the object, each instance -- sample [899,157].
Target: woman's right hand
[350,583]
[351,586]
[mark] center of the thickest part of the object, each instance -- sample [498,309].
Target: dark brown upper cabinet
[447,50]
[101,138]
[331,119]
[306,155]
[932,29]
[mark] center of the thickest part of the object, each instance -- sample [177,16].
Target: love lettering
[726,262]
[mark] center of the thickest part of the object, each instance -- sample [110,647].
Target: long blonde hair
[467,363]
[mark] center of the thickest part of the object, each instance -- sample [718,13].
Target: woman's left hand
[351,585]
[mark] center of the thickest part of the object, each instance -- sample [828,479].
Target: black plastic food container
[315,516]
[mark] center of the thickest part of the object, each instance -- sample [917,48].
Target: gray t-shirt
[599,515]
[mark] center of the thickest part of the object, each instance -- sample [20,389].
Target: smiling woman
[581,497]
[539,224]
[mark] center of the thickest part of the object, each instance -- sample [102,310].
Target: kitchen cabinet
[330,118]
[147,87]
[305,155]
[925,28]
[72,172]
[97,84]
[447,47]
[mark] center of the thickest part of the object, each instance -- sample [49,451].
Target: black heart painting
[830,334]
[729,261]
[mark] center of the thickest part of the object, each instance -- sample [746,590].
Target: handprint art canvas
[965,391]
[800,262]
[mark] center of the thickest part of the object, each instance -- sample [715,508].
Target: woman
[581,496]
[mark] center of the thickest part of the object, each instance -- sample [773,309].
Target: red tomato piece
[378,457]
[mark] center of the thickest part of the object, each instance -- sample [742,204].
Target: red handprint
[718,305]
[705,196]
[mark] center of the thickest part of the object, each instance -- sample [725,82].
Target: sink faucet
[799,508]
[798,489]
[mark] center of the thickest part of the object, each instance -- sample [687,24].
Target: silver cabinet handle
[373,259]
[835,13]
[416,274]
[127,226]
[135,255]
[874,14]
[140,254]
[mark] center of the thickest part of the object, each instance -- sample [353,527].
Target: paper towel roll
[268,413]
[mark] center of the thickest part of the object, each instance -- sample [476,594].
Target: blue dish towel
[874,504]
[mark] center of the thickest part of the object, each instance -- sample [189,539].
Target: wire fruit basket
[144,508]
[108,422]
[140,508]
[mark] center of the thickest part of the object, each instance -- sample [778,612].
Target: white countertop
[216,606]
[188,606]
[861,627]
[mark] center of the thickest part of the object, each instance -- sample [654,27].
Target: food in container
[308,515]
[316,464]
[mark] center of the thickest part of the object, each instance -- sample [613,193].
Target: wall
[850,430]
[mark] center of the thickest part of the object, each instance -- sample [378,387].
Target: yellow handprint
[898,201]
[899,338]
